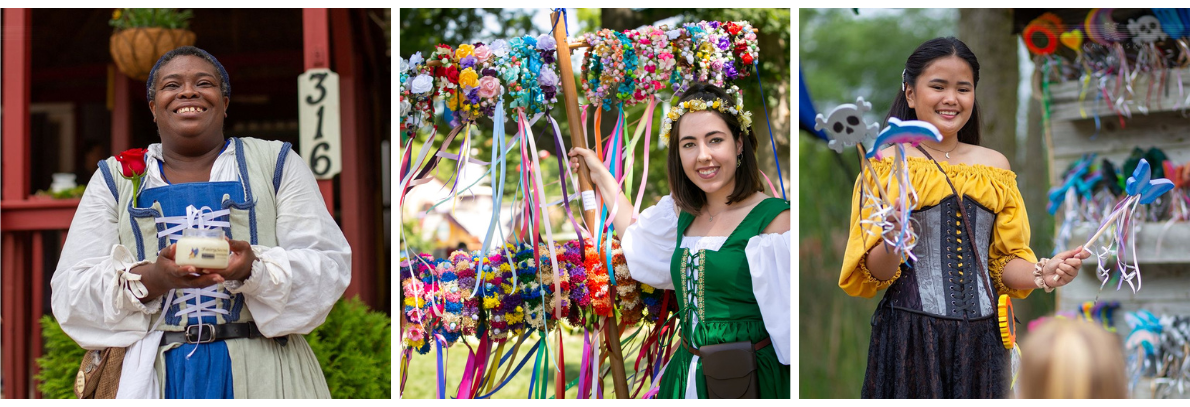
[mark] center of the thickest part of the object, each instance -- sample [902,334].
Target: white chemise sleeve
[88,295]
[295,285]
[649,244]
[768,260]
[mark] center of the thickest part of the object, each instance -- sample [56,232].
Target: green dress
[726,309]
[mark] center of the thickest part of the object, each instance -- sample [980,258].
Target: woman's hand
[239,262]
[895,219]
[1063,268]
[163,275]
[599,173]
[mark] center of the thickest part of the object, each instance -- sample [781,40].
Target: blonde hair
[1072,359]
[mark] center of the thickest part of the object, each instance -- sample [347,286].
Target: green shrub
[355,350]
[353,346]
[59,363]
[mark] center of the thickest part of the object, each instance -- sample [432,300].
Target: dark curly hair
[224,83]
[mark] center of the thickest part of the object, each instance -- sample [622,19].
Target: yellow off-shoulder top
[994,188]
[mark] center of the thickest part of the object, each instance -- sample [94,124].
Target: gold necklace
[956,145]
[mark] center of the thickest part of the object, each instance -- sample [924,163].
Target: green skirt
[774,376]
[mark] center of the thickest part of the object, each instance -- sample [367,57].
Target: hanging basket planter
[136,50]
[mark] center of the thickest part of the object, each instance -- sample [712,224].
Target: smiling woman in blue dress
[191,332]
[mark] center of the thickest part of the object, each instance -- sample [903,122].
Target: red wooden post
[316,45]
[18,51]
[121,113]
[37,260]
[14,127]
[354,186]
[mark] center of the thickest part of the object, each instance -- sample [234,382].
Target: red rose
[452,74]
[132,162]
[740,47]
[747,58]
[733,28]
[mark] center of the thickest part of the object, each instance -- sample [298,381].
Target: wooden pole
[578,138]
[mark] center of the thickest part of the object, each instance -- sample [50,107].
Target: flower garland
[417,87]
[464,268]
[681,46]
[712,52]
[580,297]
[532,58]
[547,77]
[417,289]
[597,282]
[695,105]
[434,293]
[446,76]
[603,67]
[627,84]
[655,61]
[450,301]
[627,289]
[511,309]
[745,47]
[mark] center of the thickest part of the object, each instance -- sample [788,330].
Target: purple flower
[547,77]
[490,72]
[473,98]
[714,24]
[547,56]
[730,71]
[467,62]
[723,44]
[467,282]
[546,43]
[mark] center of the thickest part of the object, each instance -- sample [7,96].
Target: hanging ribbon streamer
[777,158]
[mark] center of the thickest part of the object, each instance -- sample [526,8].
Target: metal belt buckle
[196,338]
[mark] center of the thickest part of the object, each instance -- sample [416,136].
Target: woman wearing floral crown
[723,242]
[191,332]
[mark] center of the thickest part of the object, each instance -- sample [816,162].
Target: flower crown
[695,105]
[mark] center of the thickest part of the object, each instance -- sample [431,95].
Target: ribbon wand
[1141,190]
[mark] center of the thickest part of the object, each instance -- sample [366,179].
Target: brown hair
[686,195]
[1071,359]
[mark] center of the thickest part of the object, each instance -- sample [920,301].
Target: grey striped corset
[945,281]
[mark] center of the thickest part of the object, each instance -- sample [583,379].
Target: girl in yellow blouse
[935,333]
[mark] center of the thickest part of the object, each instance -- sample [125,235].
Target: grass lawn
[423,368]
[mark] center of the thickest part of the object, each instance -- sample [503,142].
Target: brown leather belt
[756,347]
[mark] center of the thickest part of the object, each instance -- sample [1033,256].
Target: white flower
[421,84]
[404,107]
[674,34]
[416,59]
[404,66]
[500,48]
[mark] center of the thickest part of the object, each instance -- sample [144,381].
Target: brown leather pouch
[99,374]
[730,370]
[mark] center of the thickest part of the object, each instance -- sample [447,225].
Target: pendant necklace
[956,145]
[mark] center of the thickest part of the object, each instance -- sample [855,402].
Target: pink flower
[750,36]
[489,87]
[483,53]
